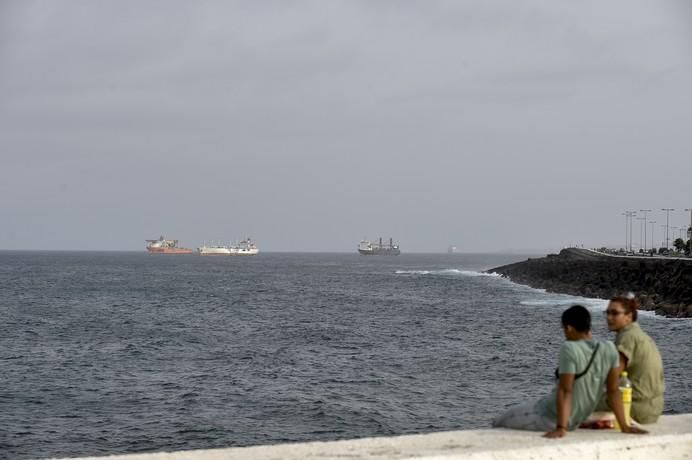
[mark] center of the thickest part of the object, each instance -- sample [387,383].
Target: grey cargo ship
[368,248]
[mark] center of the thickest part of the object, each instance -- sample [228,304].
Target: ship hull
[379,252]
[169,251]
[249,252]
[252,252]
[215,252]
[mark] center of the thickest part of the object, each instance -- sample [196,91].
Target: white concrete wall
[669,439]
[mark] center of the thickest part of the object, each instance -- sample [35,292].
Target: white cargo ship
[247,247]
[164,246]
[377,248]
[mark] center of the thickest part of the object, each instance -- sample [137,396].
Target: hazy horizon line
[506,251]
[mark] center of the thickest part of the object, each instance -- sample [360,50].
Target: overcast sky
[311,125]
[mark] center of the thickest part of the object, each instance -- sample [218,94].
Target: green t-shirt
[645,371]
[574,357]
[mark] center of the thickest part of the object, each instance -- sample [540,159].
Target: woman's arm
[622,364]
[564,406]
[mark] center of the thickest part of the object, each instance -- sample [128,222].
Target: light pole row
[642,228]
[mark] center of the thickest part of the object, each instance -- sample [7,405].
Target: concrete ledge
[669,439]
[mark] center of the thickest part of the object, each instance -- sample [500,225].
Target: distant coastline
[663,285]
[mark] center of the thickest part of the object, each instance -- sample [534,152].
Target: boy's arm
[564,406]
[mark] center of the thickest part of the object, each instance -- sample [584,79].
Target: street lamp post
[652,222]
[645,211]
[632,214]
[667,210]
[626,229]
[642,225]
[662,240]
[689,230]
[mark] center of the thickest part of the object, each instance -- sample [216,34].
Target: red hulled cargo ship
[164,246]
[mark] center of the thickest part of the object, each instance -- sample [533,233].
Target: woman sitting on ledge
[585,366]
[639,356]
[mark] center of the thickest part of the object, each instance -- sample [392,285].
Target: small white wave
[412,272]
[474,273]
[590,303]
[651,314]
[447,272]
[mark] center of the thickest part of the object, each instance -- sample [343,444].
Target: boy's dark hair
[578,317]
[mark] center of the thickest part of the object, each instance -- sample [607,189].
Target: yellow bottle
[625,387]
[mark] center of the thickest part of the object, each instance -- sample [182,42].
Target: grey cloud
[313,124]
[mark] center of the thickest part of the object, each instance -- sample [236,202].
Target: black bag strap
[582,373]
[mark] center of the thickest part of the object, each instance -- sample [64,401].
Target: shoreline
[663,285]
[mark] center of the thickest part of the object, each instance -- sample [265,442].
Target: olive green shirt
[645,371]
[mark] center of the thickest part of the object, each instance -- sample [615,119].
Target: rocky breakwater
[662,284]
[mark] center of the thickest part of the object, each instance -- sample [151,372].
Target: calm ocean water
[105,353]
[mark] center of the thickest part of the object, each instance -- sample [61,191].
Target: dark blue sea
[107,353]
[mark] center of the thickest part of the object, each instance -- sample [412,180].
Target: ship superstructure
[377,248]
[164,246]
[247,247]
